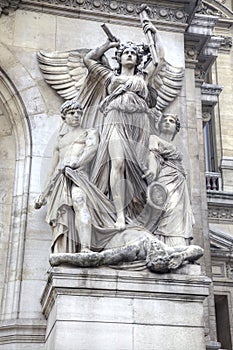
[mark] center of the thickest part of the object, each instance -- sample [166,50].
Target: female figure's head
[129,55]
[169,126]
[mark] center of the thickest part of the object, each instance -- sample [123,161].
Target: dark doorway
[222,321]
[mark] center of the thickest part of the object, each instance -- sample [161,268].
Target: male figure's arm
[41,199]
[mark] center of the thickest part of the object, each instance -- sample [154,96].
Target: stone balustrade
[213,181]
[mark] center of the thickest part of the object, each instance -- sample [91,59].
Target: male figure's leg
[82,218]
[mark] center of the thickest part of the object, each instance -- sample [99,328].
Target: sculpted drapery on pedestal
[114,184]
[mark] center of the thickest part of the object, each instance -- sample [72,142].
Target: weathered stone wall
[33,117]
[225,64]
[7,155]
[22,34]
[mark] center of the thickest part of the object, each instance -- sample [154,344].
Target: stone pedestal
[108,309]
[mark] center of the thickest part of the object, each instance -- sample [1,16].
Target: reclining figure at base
[134,245]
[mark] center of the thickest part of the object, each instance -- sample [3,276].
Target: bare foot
[85,250]
[120,223]
[176,260]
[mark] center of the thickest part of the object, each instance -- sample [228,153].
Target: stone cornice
[211,89]
[207,57]
[220,207]
[220,214]
[209,96]
[106,282]
[221,240]
[201,46]
[220,198]
[169,13]
[222,255]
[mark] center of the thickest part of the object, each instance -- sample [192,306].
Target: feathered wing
[167,81]
[64,71]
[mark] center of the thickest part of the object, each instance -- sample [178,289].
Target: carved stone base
[103,308]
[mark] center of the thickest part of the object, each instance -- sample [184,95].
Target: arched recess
[14,111]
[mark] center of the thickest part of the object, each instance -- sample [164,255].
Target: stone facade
[199,39]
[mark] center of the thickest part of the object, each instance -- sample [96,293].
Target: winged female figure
[119,102]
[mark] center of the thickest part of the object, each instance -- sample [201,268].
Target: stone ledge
[124,309]
[227,163]
[220,197]
[213,345]
[106,282]
[22,331]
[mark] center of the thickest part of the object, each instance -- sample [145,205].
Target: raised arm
[155,46]
[95,55]
[152,36]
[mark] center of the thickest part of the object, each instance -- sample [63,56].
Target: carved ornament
[206,116]
[7,5]
[220,214]
[200,73]
[226,44]
[115,8]
[214,8]
[211,89]
[191,54]
[229,270]
[220,207]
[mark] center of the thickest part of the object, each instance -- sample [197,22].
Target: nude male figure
[67,208]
